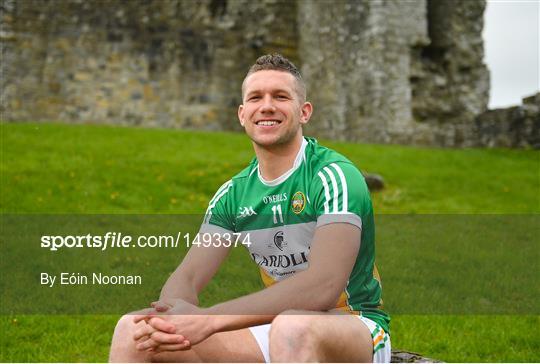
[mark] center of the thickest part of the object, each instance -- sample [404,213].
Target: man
[307,212]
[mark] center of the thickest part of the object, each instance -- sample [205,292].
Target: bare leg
[233,346]
[303,336]
[123,345]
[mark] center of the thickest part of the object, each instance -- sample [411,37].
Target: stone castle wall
[155,63]
[377,71]
[513,127]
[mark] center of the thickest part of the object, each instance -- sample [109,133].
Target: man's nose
[268,104]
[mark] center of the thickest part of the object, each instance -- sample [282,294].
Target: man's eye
[282,97]
[254,98]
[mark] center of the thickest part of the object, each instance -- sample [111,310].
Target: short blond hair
[276,62]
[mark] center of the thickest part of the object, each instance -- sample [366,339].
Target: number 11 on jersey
[276,209]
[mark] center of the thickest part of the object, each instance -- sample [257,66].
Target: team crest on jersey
[279,241]
[298,202]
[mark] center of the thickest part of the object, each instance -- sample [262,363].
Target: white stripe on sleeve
[220,189]
[343,186]
[326,192]
[334,188]
[221,192]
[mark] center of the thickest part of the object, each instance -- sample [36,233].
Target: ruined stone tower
[377,71]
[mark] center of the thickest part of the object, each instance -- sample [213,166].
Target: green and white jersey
[281,217]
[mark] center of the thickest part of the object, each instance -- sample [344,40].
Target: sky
[511,45]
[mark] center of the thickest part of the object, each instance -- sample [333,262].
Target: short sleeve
[220,212]
[340,194]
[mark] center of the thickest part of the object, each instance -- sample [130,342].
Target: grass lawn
[457,236]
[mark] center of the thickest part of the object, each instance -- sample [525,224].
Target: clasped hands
[171,326]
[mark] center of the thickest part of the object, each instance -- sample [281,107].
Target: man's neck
[274,162]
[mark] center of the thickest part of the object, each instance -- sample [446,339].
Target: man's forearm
[179,286]
[304,291]
[196,270]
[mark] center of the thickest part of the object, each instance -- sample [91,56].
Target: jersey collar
[300,157]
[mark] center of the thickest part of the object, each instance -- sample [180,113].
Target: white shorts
[382,348]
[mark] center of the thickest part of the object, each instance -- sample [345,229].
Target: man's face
[272,112]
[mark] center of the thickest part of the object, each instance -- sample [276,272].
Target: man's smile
[267,122]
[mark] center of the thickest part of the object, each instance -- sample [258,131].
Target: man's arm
[331,260]
[333,254]
[181,290]
[201,263]
[197,268]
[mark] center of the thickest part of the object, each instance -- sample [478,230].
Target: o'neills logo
[280,261]
[298,202]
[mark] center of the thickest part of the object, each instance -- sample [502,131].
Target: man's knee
[124,347]
[125,328]
[293,337]
[123,344]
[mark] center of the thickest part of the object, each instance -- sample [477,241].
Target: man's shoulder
[242,176]
[319,157]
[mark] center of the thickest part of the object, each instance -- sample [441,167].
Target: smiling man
[307,213]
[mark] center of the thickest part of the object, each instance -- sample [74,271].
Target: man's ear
[306,110]
[241,114]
